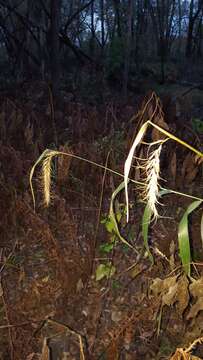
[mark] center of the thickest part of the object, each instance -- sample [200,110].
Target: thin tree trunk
[102,23]
[55,58]
[179,26]
[92,40]
[128,49]
[192,19]
[190,30]
[117,15]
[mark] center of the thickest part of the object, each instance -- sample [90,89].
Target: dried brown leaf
[167,288]
[182,294]
[169,298]
[172,290]
[195,308]
[196,288]
[189,168]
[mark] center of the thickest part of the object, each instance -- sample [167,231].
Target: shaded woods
[99,42]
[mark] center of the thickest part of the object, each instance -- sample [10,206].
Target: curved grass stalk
[175,138]
[136,142]
[53,153]
[183,237]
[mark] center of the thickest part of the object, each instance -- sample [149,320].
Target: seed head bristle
[151,189]
[46,177]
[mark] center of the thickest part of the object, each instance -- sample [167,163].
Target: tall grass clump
[149,188]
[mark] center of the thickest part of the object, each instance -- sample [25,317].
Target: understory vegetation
[88,265]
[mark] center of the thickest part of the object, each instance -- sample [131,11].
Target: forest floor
[53,304]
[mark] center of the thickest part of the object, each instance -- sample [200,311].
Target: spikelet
[151,187]
[46,178]
[46,175]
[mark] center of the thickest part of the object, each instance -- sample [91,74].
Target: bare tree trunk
[55,58]
[179,26]
[92,40]
[192,19]
[116,4]
[190,30]
[128,48]
[102,23]
[199,48]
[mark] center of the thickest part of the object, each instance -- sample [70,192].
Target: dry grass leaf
[45,351]
[180,354]
[185,354]
[31,356]
[64,163]
[172,255]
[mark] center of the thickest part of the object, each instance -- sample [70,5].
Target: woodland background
[101,44]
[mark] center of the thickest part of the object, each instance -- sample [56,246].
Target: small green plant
[197,125]
[105,270]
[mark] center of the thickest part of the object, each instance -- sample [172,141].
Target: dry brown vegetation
[51,304]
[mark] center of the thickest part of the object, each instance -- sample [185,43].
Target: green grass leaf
[146,219]
[201,229]
[105,270]
[183,237]
[106,248]
[112,215]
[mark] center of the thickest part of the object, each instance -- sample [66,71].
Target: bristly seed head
[151,187]
[46,176]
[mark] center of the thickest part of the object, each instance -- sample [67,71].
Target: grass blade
[201,229]
[129,160]
[146,219]
[183,237]
[113,217]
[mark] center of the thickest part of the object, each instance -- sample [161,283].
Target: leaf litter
[51,265]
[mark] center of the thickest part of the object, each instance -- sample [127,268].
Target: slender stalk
[173,137]
[57,153]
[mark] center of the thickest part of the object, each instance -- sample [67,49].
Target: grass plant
[151,189]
